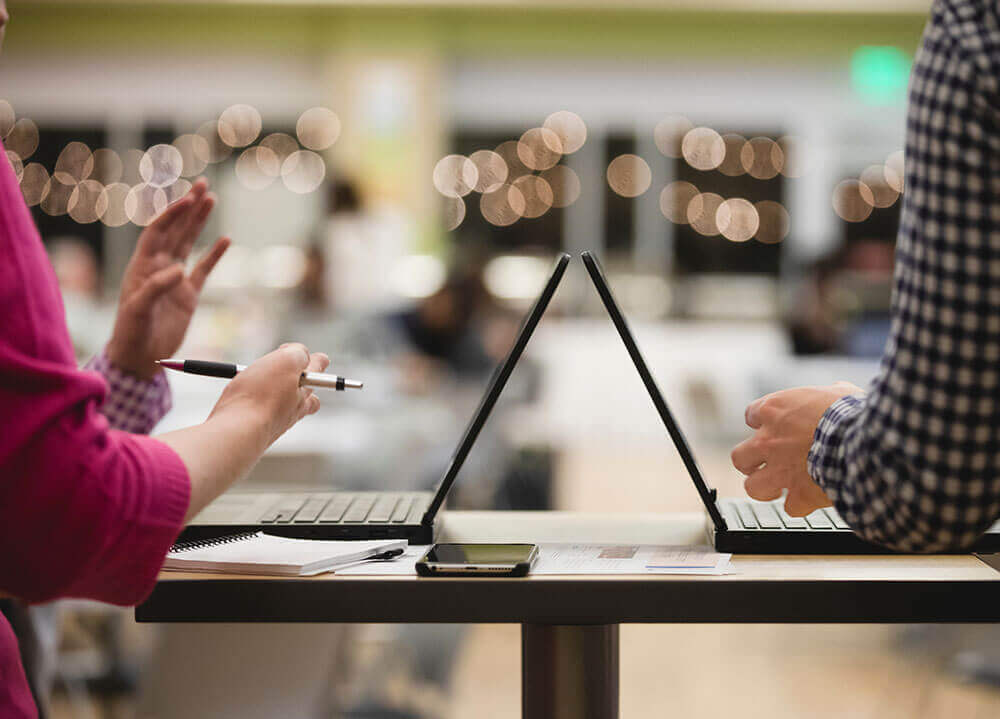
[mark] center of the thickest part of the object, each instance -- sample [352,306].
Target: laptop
[366,515]
[746,526]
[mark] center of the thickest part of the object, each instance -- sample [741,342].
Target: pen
[390,554]
[228,371]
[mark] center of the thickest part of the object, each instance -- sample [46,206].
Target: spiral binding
[216,541]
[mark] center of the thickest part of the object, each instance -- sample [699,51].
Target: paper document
[629,559]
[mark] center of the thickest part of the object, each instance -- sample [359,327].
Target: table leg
[569,671]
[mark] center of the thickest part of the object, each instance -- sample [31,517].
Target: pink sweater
[87,511]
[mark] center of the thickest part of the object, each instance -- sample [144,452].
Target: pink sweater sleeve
[86,511]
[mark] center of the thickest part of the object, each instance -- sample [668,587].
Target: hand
[269,390]
[774,459]
[157,299]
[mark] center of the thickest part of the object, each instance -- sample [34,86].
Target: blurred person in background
[75,265]
[91,511]
[914,464]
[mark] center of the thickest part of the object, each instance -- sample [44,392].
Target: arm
[915,464]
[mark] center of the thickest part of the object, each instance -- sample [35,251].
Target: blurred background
[397,179]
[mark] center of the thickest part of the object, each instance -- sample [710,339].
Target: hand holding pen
[227,370]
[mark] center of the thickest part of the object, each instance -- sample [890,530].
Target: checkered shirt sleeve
[132,404]
[915,464]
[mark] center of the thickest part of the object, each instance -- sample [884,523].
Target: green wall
[458,32]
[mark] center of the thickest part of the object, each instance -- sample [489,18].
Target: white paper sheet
[629,559]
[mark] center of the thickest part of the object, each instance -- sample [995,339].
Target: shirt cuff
[132,405]
[824,463]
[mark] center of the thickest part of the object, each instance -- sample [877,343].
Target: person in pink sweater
[90,511]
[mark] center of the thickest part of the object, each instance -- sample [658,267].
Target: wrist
[246,419]
[125,361]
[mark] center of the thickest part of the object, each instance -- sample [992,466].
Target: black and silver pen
[228,371]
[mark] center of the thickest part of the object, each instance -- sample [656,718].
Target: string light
[114,204]
[216,150]
[774,222]
[239,125]
[303,171]
[703,148]
[257,167]
[737,219]
[161,165]
[143,203]
[56,202]
[732,163]
[565,184]
[894,171]
[84,202]
[108,166]
[491,169]
[791,149]
[701,213]
[508,152]
[502,207]
[876,178]
[569,128]
[23,138]
[539,148]
[453,212]
[35,183]
[537,195]
[675,199]
[15,164]
[282,146]
[762,158]
[669,132]
[7,118]
[195,151]
[318,128]
[853,201]
[455,175]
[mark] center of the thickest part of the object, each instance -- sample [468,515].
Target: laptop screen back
[673,429]
[496,385]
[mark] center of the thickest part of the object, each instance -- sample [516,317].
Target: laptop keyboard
[772,515]
[345,508]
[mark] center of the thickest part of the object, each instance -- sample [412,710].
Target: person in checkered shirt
[914,463]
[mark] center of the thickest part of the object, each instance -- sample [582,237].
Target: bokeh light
[537,195]
[257,167]
[239,125]
[737,219]
[56,202]
[75,163]
[674,201]
[502,207]
[565,184]
[703,148]
[131,159]
[22,138]
[280,266]
[216,150]
[515,277]
[701,213]
[452,212]
[629,175]
[417,276]
[282,146]
[792,151]
[114,204]
[143,203]
[539,148]
[732,164]
[85,203]
[318,128]
[108,166]
[669,134]
[35,183]
[161,165]
[195,152]
[455,175]
[876,177]
[774,222]
[7,118]
[895,173]
[177,190]
[853,201]
[762,158]
[303,171]
[569,128]
[16,164]
[515,168]
[491,169]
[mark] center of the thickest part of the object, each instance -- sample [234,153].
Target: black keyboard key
[746,515]
[402,510]
[383,509]
[335,510]
[767,517]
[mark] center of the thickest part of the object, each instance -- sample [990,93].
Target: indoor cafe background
[397,180]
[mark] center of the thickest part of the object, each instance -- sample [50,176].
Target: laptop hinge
[713,495]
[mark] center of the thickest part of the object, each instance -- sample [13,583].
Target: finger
[174,212]
[156,237]
[207,263]
[765,484]
[313,405]
[799,504]
[189,232]
[153,288]
[296,354]
[318,362]
[748,455]
[753,412]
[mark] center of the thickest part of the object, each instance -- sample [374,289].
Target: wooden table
[569,632]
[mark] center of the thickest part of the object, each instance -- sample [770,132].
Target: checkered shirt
[132,404]
[915,464]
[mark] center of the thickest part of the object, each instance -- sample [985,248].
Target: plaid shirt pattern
[132,404]
[915,464]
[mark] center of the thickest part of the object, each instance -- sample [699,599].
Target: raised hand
[157,298]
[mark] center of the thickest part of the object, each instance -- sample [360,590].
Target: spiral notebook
[259,553]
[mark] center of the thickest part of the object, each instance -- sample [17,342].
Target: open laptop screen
[707,495]
[495,387]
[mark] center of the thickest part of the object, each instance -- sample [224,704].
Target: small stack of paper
[629,559]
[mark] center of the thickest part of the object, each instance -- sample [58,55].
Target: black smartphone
[463,560]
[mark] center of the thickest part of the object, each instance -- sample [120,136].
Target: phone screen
[480,553]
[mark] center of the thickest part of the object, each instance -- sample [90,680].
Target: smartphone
[463,560]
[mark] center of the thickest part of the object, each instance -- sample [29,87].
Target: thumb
[157,284]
